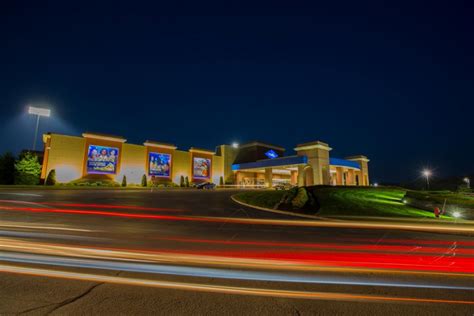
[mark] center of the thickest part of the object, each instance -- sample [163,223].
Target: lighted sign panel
[271,154]
[159,164]
[201,168]
[102,160]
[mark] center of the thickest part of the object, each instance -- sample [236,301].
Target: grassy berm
[346,201]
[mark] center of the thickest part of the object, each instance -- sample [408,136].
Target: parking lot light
[38,112]
[427,174]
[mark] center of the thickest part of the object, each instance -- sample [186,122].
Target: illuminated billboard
[159,164]
[201,168]
[102,160]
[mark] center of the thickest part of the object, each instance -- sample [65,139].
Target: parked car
[206,186]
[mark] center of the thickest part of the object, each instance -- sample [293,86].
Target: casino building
[99,156]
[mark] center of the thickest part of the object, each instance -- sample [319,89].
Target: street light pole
[427,174]
[38,112]
[36,132]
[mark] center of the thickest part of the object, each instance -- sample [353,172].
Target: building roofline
[151,143]
[313,145]
[114,138]
[201,150]
[259,143]
[358,157]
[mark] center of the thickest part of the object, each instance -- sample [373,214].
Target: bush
[221,181]
[89,182]
[27,170]
[300,199]
[51,179]
[124,181]
[181,182]
[7,168]
[186,182]
[144,181]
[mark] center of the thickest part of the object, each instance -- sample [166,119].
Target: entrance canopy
[291,161]
[338,162]
[271,163]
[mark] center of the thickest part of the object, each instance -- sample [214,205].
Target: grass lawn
[462,199]
[262,198]
[366,201]
[347,201]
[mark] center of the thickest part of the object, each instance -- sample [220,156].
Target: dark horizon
[392,83]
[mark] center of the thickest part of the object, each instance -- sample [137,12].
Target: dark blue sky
[391,81]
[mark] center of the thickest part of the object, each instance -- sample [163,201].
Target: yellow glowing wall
[65,155]
[217,169]
[133,163]
[228,157]
[181,166]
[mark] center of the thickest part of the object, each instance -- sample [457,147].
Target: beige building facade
[99,156]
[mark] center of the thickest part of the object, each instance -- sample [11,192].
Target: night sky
[393,82]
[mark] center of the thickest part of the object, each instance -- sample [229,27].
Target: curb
[275,211]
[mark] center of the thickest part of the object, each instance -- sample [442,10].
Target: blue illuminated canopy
[268,163]
[344,163]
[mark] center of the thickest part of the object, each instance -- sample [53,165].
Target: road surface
[190,252]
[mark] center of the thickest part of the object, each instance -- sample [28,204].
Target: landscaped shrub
[289,196]
[89,182]
[300,199]
[27,170]
[181,181]
[51,179]
[221,181]
[124,181]
[170,184]
[186,182]
[144,182]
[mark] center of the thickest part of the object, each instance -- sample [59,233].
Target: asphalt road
[190,252]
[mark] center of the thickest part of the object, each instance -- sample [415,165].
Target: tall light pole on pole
[427,175]
[38,112]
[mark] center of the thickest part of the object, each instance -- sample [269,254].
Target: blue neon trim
[343,163]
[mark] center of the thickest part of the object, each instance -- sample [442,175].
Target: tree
[27,170]
[51,179]
[144,181]
[186,182]
[124,181]
[181,182]
[221,181]
[7,168]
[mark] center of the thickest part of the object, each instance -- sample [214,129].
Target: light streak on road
[113,206]
[442,228]
[219,273]
[413,249]
[221,289]
[23,234]
[43,227]
[307,261]
[99,206]
[21,194]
